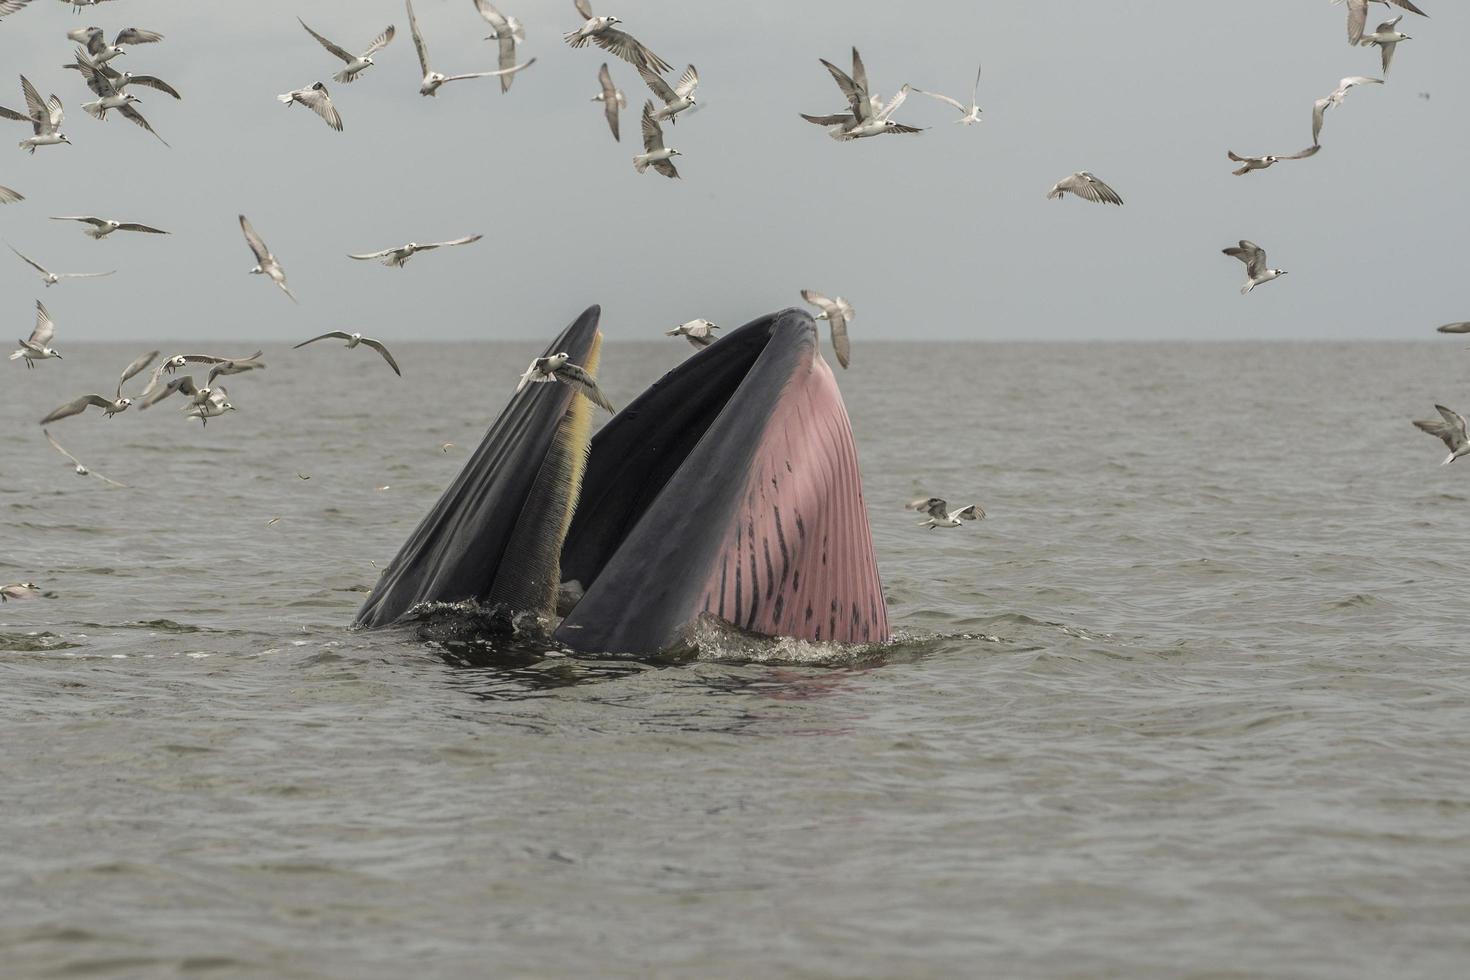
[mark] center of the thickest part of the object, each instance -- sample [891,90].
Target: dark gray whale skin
[729,489]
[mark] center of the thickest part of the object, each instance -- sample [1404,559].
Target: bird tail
[1447,460]
[1241,171]
[16,355]
[345,77]
[574,38]
[640,164]
[94,109]
[672,333]
[1247,287]
[284,99]
[1054,192]
[94,232]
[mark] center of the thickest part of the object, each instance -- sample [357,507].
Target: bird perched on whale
[559,367]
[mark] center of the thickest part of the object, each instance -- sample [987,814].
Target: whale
[728,491]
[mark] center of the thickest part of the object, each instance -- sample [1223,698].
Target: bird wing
[658,85]
[1090,188]
[653,134]
[153,395]
[34,104]
[1357,19]
[494,17]
[86,218]
[974,512]
[134,226]
[153,82]
[818,300]
[377,345]
[1461,327]
[1237,157]
[530,375]
[45,328]
[1446,431]
[84,35]
[85,275]
[506,43]
[1319,110]
[897,129]
[136,35]
[76,407]
[319,102]
[836,119]
[42,269]
[253,240]
[944,98]
[380,42]
[130,113]
[371,255]
[7,113]
[466,240]
[688,82]
[8,196]
[1453,418]
[584,8]
[935,507]
[610,103]
[975,92]
[630,49]
[57,446]
[1387,51]
[859,72]
[856,98]
[335,49]
[418,38]
[838,326]
[1354,80]
[604,79]
[493,74]
[894,103]
[579,379]
[667,168]
[139,365]
[1251,254]
[338,334]
[1301,155]
[55,113]
[1388,25]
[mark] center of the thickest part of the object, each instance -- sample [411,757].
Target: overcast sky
[945,234]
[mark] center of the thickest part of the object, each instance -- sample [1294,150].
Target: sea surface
[1194,700]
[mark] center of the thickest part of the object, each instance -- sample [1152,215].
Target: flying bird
[45,118]
[8,196]
[1387,38]
[612,100]
[837,312]
[52,278]
[507,31]
[105,80]
[941,516]
[559,367]
[176,361]
[1357,17]
[1247,164]
[699,332]
[123,102]
[1449,427]
[265,262]
[433,80]
[970,114]
[1254,258]
[182,385]
[356,63]
[38,348]
[655,154]
[315,98]
[400,254]
[81,470]
[600,31]
[353,339]
[1461,327]
[94,41]
[214,406]
[109,406]
[1320,107]
[235,365]
[102,227]
[867,115]
[675,100]
[1084,185]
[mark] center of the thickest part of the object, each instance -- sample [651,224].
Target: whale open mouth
[730,489]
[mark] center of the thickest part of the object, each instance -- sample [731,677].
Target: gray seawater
[1193,701]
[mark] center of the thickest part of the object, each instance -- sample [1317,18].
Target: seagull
[176,361]
[700,332]
[675,100]
[353,339]
[102,227]
[1086,186]
[1387,37]
[1450,427]
[113,98]
[433,80]
[45,118]
[8,7]
[356,63]
[612,100]
[37,347]
[444,447]
[52,278]
[941,516]
[20,590]
[235,365]
[971,113]
[1461,327]
[559,367]
[399,255]
[106,80]
[655,154]
[80,469]
[1247,164]
[216,405]
[837,312]
[183,385]
[1320,107]
[1254,258]
[867,116]
[265,262]
[77,5]
[1358,15]
[109,406]
[8,196]
[97,48]
[600,31]
[317,100]
[507,31]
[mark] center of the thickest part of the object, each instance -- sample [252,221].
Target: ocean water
[1192,702]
